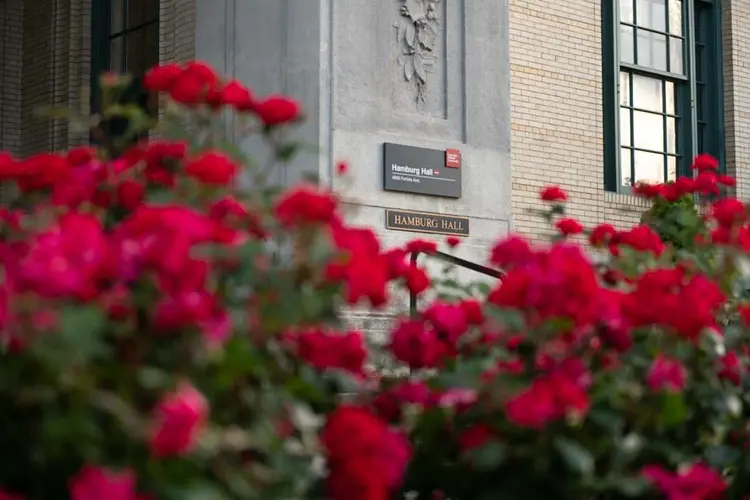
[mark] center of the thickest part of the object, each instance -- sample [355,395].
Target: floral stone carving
[416,35]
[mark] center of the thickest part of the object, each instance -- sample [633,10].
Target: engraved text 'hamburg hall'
[429,223]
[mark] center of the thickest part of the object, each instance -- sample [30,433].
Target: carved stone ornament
[416,36]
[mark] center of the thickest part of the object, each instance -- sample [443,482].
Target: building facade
[605,91]
[588,94]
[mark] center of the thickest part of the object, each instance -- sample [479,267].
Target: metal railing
[452,259]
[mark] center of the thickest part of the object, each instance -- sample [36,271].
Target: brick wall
[11,55]
[556,117]
[736,31]
[177,33]
[55,70]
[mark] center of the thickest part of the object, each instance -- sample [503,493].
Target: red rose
[332,350]
[178,421]
[80,156]
[366,460]
[641,238]
[705,162]
[744,311]
[276,110]
[553,193]
[42,171]
[569,227]
[212,168]
[194,84]
[236,95]
[512,251]
[666,374]
[474,437]
[728,212]
[696,482]
[533,408]
[305,204]
[730,367]
[130,194]
[601,234]
[452,241]
[448,319]
[68,260]
[726,180]
[421,246]
[95,483]
[162,78]
[647,190]
[417,280]
[415,344]
[473,310]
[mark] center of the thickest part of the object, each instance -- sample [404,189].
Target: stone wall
[344,60]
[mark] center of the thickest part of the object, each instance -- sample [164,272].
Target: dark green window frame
[696,114]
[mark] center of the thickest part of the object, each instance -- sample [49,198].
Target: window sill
[626,200]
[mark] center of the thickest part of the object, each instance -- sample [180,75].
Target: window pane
[626,11]
[647,93]
[117,9]
[671,168]
[699,66]
[626,175]
[670,98]
[116,53]
[135,52]
[675,17]
[648,131]
[141,12]
[624,88]
[142,50]
[652,50]
[626,44]
[652,14]
[649,167]
[700,103]
[675,55]
[625,126]
[672,135]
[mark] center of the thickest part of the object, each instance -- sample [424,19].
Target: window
[662,76]
[125,39]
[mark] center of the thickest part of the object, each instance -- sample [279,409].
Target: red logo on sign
[453,158]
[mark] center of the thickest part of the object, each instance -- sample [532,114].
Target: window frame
[685,90]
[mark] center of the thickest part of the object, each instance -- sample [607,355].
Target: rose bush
[171,328]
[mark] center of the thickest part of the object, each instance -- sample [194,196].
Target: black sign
[422,171]
[424,222]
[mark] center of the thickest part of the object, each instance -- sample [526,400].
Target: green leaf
[607,419]
[632,487]
[153,378]
[673,409]
[82,326]
[721,456]
[512,319]
[488,456]
[79,338]
[576,457]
